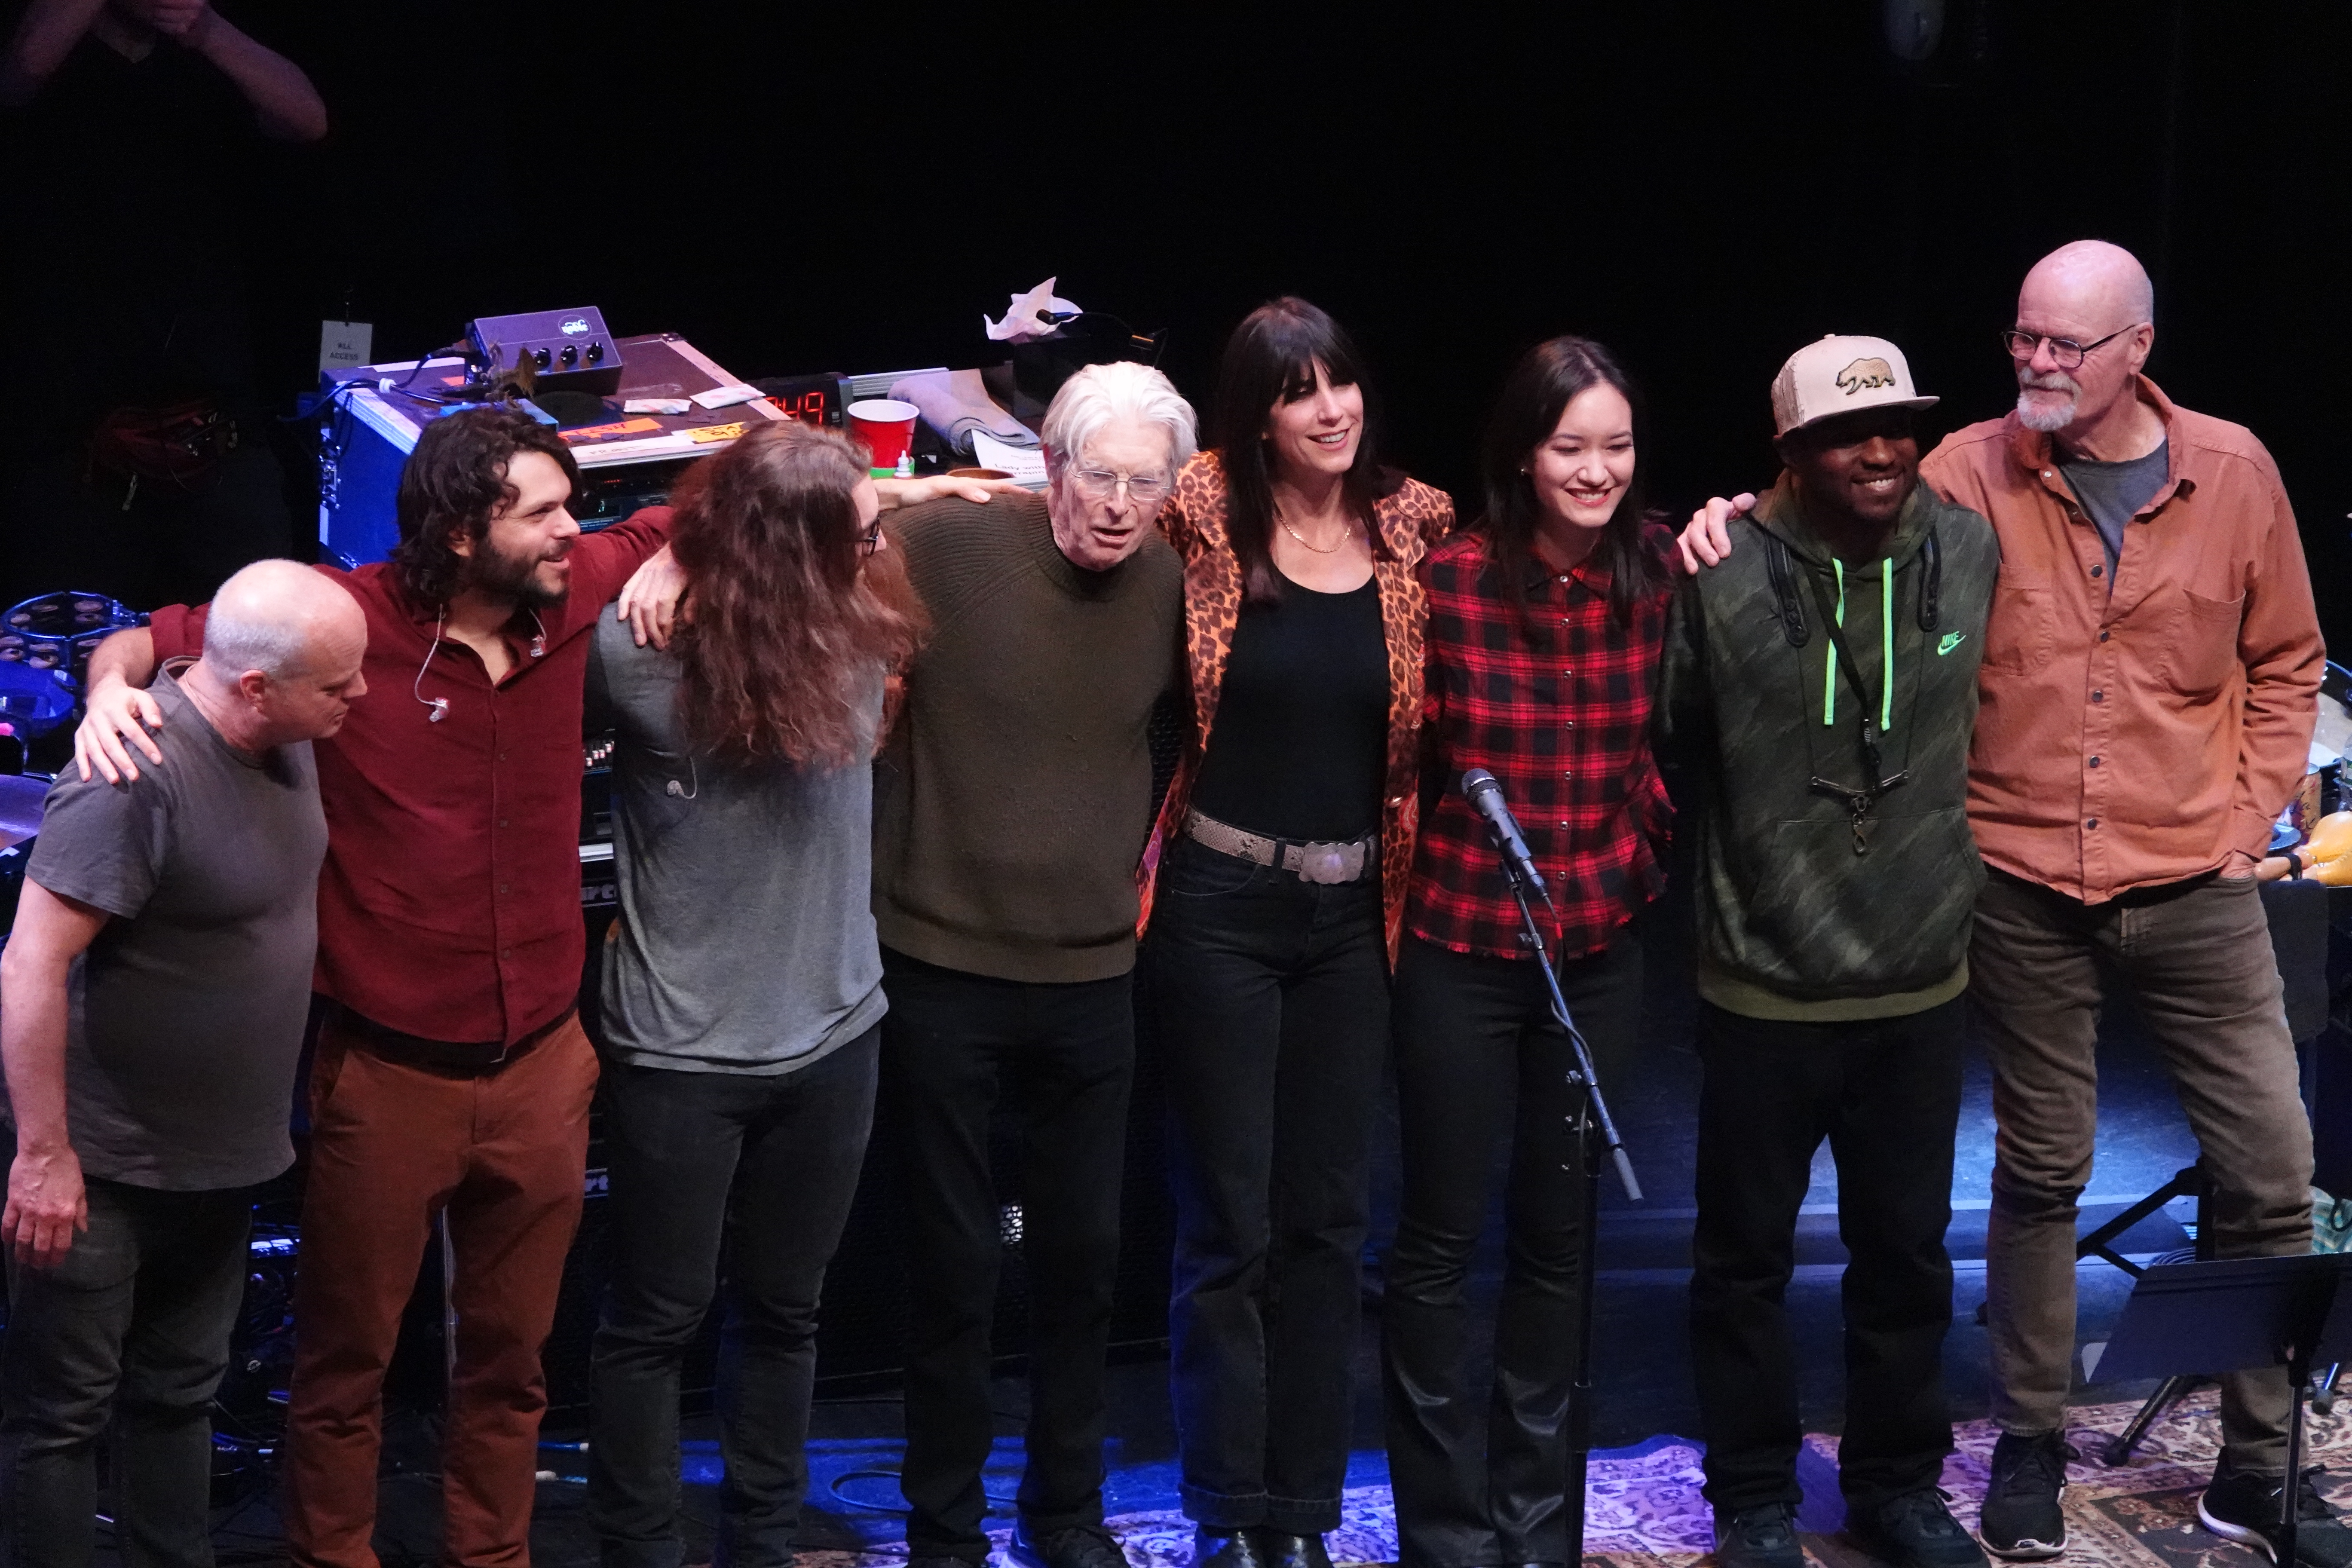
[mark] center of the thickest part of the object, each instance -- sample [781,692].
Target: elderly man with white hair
[2149,685]
[1011,807]
[152,998]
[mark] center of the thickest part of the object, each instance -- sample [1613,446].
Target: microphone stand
[1594,1130]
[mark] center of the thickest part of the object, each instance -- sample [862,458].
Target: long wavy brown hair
[786,618]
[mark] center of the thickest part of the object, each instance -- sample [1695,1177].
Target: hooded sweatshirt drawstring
[1886,647]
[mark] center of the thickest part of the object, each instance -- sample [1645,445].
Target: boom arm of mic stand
[1592,1096]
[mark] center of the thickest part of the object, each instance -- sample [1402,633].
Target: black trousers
[1886,1095]
[1481,1067]
[953,1044]
[718,1177]
[1272,1002]
[134,1322]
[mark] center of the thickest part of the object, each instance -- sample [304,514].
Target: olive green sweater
[1014,796]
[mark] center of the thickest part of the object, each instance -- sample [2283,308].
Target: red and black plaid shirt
[1558,711]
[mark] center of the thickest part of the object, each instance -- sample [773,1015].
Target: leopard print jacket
[1411,520]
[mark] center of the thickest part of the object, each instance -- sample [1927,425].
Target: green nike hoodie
[1818,898]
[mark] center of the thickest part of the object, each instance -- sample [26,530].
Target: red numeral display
[808,407]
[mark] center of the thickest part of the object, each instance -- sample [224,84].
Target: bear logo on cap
[1864,372]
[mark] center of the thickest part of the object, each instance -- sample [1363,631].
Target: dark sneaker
[1764,1536]
[1914,1530]
[1079,1546]
[1216,1548]
[1293,1550]
[2246,1508]
[2022,1519]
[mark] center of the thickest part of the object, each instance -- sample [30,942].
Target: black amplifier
[569,349]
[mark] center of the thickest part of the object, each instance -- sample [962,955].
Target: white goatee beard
[2045,417]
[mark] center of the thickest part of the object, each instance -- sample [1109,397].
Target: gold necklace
[1347,532]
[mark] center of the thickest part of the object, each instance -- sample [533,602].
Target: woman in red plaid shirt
[1546,622]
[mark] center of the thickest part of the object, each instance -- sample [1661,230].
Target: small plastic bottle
[907,465]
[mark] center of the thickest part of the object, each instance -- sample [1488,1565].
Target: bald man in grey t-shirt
[152,997]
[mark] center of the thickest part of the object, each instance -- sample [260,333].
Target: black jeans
[1481,1066]
[135,1320]
[1273,1002]
[952,1043]
[718,1176]
[1887,1094]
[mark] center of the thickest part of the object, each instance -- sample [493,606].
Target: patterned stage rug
[1646,1511]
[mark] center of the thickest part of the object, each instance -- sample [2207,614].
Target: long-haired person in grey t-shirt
[743,982]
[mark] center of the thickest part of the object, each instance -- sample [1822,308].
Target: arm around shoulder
[119,714]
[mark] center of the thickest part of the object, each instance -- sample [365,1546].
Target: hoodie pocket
[1828,922]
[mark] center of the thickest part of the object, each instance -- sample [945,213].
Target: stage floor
[1646,1503]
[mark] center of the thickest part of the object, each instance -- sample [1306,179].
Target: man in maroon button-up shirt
[453,1075]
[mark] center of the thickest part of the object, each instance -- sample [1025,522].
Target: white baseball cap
[1839,374]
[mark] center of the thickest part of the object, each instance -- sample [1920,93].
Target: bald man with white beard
[2149,684]
[152,997]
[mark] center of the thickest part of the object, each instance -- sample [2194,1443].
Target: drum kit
[45,648]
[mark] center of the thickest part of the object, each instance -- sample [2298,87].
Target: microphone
[1485,798]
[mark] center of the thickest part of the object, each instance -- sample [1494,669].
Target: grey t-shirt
[2113,493]
[746,938]
[188,1010]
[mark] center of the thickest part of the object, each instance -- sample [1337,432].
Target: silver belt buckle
[1330,864]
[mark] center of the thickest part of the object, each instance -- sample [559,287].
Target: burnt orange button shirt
[2134,731]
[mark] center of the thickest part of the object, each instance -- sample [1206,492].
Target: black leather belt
[416,1050]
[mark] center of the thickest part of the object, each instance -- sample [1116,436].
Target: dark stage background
[1703,186]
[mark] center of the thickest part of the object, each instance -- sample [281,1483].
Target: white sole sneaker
[2242,1534]
[2024,1551]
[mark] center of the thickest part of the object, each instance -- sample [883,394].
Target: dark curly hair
[452,483]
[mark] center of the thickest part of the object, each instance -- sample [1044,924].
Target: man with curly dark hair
[451,1073]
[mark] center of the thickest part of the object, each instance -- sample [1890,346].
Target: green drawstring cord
[1886,644]
[1829,669]
[1886,647]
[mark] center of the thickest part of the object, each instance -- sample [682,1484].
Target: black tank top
[1300,738]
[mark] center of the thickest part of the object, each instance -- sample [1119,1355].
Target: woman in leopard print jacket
[1280,861]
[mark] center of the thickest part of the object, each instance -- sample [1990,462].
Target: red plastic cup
[886,427]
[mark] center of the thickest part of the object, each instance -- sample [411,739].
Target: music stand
[2190,1180]
[2238,1314]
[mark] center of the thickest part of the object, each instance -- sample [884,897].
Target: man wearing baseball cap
[2149,686]
[1820,687]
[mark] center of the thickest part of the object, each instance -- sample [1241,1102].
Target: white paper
[727,396]
[344,345]
[1022,316]
[657,406]
[1026,465]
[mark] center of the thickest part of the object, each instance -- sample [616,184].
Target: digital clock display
[811,399]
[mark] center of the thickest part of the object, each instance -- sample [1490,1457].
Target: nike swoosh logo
[1951,640]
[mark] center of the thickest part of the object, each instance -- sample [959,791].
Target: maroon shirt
[1558,711]
[449,903]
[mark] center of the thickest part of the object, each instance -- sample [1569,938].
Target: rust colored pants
[503,1151]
